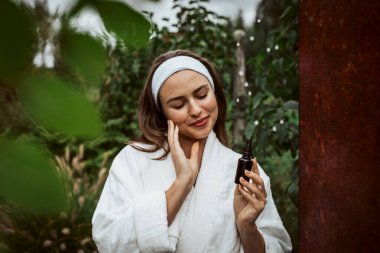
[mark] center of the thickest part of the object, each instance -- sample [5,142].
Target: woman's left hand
[250,200]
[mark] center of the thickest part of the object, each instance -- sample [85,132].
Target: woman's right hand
[186,169]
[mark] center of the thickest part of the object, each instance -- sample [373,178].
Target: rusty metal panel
[339,206]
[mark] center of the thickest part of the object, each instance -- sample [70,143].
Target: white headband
[173,65]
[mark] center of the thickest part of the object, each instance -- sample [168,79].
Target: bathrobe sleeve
[270,225]
[129,218]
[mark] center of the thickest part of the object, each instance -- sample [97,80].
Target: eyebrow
[195,91]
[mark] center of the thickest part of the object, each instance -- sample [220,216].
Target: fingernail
[242,179]
[247,172]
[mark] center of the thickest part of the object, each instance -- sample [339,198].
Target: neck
[186,144]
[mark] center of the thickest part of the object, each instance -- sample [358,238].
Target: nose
[194,109]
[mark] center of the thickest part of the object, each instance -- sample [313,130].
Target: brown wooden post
[239,90]
[339,204]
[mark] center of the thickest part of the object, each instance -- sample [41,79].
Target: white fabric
[173,65]
[131,215]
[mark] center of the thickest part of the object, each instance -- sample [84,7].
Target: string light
[237,100]
[259,20]
[281,121]
[246,84]
[249,93]
[238,44]
[241,73]
[274,129]
[256,122]
[268,50]
[251,38]
[276,47]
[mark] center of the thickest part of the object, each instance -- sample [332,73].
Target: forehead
[182,82]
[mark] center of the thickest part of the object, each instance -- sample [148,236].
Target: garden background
[61,127]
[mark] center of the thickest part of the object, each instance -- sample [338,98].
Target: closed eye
[202,96]
[178,106]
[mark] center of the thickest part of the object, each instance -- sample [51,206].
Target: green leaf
[266,112]
[227,78]
[282,132]
[257,99]
[57,106]
[279,115]
[262,138]
[250,129]
[291,105]
[18,38]
[28,178]
[260,59]
[85,55]
[278,65]
[131,26]
[293,192]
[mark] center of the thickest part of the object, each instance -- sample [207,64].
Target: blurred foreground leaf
[18,36]
[57,106]
[85,55]
[291,105]
[29,179]
[131,26]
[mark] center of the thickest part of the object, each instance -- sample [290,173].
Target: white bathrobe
[131,215]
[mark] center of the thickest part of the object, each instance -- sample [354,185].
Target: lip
[200,122]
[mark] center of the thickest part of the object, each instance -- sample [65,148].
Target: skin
[186,97]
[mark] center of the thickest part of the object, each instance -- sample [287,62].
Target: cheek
[211,105]
[178,117]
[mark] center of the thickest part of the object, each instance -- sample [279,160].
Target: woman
[173,190]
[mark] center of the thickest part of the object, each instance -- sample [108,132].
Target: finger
[254,201]
[172,141]
[237,191]
[257,204]
[170,134]
[255,168]
[175,137]
[194,155]
[257,180]
[253,189]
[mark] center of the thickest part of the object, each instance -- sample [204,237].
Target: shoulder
[231,157]
[136,151]
[131,160]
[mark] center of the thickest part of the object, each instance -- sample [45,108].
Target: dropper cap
[248,149]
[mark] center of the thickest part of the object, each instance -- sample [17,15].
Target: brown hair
[153,123]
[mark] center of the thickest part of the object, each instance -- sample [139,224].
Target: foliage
[47,99]
[273,121]
[273,70]
[272,75]
[29,231]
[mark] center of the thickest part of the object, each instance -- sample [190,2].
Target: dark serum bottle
[245,162]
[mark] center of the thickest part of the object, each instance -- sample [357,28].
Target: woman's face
[188,99]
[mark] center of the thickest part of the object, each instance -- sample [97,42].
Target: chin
[199,134]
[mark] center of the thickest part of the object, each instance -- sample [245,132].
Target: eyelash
[202,96]
[199,97]
[178,107]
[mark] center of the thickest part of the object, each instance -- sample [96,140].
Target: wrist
[245,224]
[183,183]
